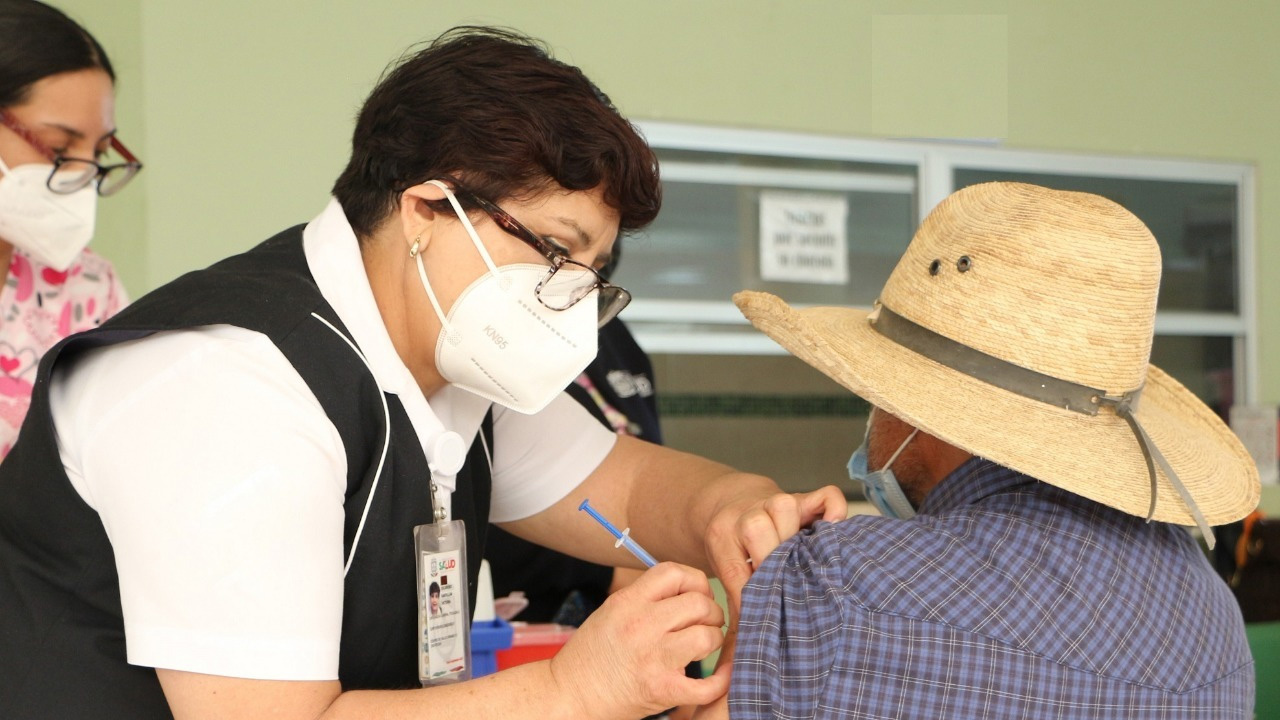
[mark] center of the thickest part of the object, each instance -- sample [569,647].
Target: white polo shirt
[220,480]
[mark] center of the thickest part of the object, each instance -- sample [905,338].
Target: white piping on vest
[386,444]
[488,456]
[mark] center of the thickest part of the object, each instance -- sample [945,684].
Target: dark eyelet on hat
[934,267]
[964,263]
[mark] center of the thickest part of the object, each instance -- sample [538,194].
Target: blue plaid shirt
[1004,598]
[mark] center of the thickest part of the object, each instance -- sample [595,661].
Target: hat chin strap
[1039,387]
[1125,406]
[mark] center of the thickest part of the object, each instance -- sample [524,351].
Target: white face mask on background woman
[52,228]
[500,342]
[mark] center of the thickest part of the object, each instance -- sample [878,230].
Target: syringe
[624,536]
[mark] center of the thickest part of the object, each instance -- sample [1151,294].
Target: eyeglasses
[72,174]
[569,280]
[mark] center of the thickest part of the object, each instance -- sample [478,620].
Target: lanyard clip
[448,453]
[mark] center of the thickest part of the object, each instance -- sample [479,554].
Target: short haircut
[491,108]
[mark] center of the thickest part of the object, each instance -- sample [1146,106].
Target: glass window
[705,245]
[1206,365]
[730,393]
[1194,222]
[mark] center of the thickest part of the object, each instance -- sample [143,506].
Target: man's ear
[417,218]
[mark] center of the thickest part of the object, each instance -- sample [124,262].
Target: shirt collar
[333,256]
[975,479]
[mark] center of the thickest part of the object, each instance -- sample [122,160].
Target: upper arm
[219,482]
[793,628]
[192,695]
[539,459]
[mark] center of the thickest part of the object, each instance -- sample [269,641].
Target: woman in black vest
[212,507]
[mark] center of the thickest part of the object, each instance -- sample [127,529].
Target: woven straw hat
[1031,313]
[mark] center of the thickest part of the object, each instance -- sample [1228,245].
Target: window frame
[657,323]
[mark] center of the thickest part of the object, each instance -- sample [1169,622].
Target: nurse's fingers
[691,644]
[689,610]
[668,579]
[737,544]
[761,526]
[703,691]
[717,709]
[629,656]
[826,503]
[734,548]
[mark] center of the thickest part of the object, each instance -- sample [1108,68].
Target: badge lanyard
[444,610]
[440,548]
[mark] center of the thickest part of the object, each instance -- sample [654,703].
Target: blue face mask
[881,487]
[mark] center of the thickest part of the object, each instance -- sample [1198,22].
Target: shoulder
[911,568]
[860,556]
[1032,568]
[196,391]
[178,363]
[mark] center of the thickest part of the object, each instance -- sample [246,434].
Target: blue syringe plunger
[623,536]
[586,505]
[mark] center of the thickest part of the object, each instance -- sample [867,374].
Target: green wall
[122,231]
[242,108]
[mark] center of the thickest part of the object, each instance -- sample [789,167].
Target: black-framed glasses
[72,174]
[568,280]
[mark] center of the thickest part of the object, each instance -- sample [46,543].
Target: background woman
[57,123]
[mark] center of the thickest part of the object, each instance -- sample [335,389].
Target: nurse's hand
[628,658]
[744,531]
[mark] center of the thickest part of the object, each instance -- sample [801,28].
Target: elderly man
[1033,471]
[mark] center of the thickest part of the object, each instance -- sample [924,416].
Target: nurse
[232,500]
[57,127]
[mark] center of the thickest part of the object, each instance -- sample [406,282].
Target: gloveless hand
[744,531]
[628,658]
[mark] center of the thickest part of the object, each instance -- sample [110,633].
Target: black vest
[62,644]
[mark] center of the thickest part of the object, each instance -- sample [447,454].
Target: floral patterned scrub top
[38,307]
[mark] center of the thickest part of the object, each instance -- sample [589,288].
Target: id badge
[444,616]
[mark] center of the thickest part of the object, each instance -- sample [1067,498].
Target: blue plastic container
[487,638]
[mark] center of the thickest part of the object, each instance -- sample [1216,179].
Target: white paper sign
[1255,425]
[802,238]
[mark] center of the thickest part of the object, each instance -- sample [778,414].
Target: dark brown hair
[493,109]
[38,41]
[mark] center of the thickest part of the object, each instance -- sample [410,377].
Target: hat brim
[1095,456]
